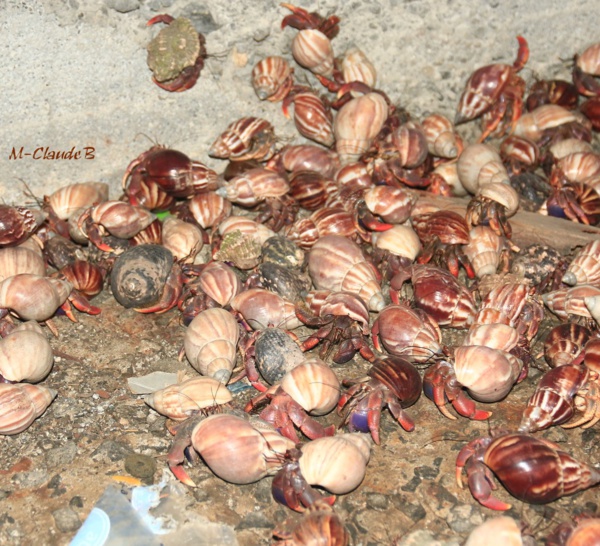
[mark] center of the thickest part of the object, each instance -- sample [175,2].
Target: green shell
[175,48]
[241,250]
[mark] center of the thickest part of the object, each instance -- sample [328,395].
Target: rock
[140,466]
[66,520]
[30,480]
[122,6]
[377,501]
[463,518]
[63,455]
[110,452]
[255,520]
[424,538]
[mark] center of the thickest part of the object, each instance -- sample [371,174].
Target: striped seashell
[21,404]
[312,117]
[254,186]
[25,354]
[182,400]
[338,264]
[484,250]
[246,226]
[579,300]
[210,343]
[356,67]
[532,125]
[442,141]
[272,78]
[400,240]
[220,282]
[312,50]
[246,138]
[209,208]
[17,259]
[65,201]
[585,266]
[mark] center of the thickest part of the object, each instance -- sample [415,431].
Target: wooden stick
[527,227]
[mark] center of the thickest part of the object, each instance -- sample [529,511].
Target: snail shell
[236,451]
[484,250]
[262,308]
[313,385]
[219,282]
[25,354]
[242,250]
[183,239]
[336,263]
[532,125]
[33,297]
[210,343]
[336,463]
[16,259]
[480,164]
[247,226]
[356,67]
[280,250]
[68,199]
[276,354]
[500,531]
[356,125]
[585,266]
[399,241]
[139,275]
[272,78]
[312,49]
[180,401]
[208,208]
[441,138]
[21,404]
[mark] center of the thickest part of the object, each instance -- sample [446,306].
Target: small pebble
[255,520]
[76,502]
[62,455]
[66,520]
[463,518]
[140,466]
[110,451]
[377,501]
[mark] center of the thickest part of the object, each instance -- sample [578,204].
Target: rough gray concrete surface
[74,72]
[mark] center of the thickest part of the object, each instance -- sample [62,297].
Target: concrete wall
[74,72]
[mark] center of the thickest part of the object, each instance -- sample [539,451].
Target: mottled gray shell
[282,251]
[283,281]
[139,275]
[536,262]
[276,354]
[175,48]
[243,251]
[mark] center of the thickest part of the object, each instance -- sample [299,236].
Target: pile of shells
[336,237]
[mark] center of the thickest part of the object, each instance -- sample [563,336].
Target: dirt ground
[97,434]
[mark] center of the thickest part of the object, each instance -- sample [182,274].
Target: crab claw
[180,473]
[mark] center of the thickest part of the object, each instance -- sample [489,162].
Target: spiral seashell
[183,239]
[243,251]
[312,117]
[585,266]
[254,186]
[25,354]
[182,400]
[325,221]
[18,223]
[262,309]
[66,200]
[410,142]
[497,336]
[478,165]
[487,374]
[246,226]
[244,139]
[448,172]
[336,463]
[209,208]
[579,300]
[532,125]
[21,404]
[33,297]
[139,275]
[500,531]
[310,189]
[589,60]
[313,385]
[272,78]
[564,343]
[338,264]
[356,67]
[307,157]
[236,451]
[580,166]
[121,219]
[17,259]
[220,282]
[210,343]
[501,193]
[442,141]
[312,50]
[484,250]
[356,125]
[85,277]
[568,146]
[399,240]
[392,204]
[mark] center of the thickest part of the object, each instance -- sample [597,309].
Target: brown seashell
[25,354]
[246,226]
[312,50]
[236,451]
[336,463]
[182,400]
[246,138]
[581,300]
[478,165]
[272,78]
[243,251]
[21,404]
[17,259]
[585,266]
[209,208]
[33,297]
[263,309]
[66,200]
[356,125]
[183,239]
[338,264]
[399,240]
[442,141]
[532,125]
[312,117]
[210,343]
[121,219]
[219,282]
[356,67]
[484,250]
[392,204]
[254,186]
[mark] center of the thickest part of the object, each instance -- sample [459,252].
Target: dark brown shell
[281,251]
[535,262]
[276,354]
[175,48]
[282,280]
[139,275]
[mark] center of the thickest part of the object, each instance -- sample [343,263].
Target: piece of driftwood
[527,227]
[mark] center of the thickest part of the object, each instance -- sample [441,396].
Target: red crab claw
[162,18]
[367,219]
[82,304]
[522,54]
[466,407]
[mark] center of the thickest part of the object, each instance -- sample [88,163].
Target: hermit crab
[176,56]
